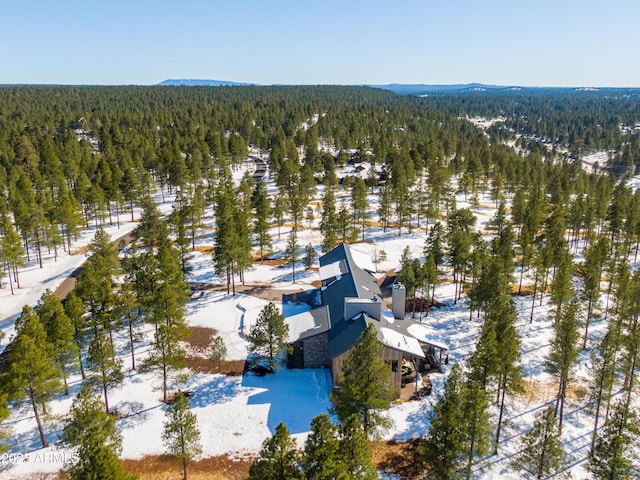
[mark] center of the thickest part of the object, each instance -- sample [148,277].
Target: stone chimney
[398,300]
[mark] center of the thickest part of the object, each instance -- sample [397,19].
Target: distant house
[324,324]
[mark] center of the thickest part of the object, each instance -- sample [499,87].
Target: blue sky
[516,42]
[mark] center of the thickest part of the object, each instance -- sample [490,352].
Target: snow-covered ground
[236,413]
[595,160]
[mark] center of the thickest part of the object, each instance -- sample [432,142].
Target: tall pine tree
[364,387]
[97,439]
[180,434]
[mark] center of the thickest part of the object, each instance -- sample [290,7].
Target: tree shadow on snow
[220,389]
[294,401]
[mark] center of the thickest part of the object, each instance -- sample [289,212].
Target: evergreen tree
[310,256]
[329,219]
[70,217]
[224,237]
[169,296]
[241,249]
[269,335]
[613,456]
[95,435]
[384,206]
[218,351]
[434,245]
[355,450]
[561,286]
[442,450]
[179,219]
[105,370]
[278,458]
[180,434]
[168,354]
[261,206]
[591,272]
[363,386]
[460,231]
[96,283]
[293,253]
[5,433]
[474,424]
[359,203]
[564,353]
[430,272]
[74,309]
[128,309]
[484,361]
[322,452]
[509,370]
[542,455]
[407,274]
[604,374]
[11,252]
[279,205]
[629,317]
[152,229]
[32,372]
[60,332]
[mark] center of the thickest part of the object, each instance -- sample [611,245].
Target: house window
[394,365]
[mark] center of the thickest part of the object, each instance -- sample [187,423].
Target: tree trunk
[164,382]
[533,301]
[80,362]
[34,404]
[133,356]
[64,377]
[38,247]
[586,324]
[521,274]
[502,395]
[596,417]
[539,473]
[106,397]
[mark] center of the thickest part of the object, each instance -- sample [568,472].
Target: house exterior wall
[389,355]
[316,351]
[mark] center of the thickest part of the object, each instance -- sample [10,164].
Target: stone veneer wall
[316,351]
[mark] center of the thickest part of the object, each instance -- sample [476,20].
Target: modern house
[324,324]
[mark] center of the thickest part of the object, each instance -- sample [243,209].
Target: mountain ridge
[422,89]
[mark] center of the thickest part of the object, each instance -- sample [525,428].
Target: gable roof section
[344,335]
[424,335]
[398,341]
[354,282]
[333,270]
[308,324]
[363,260]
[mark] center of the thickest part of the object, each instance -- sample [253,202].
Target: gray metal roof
[358,283]
[308,324]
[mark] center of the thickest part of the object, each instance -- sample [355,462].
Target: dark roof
[321,323]
[344,335]
[356,282]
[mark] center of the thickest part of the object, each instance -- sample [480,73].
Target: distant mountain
[455,89]
[189,82]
